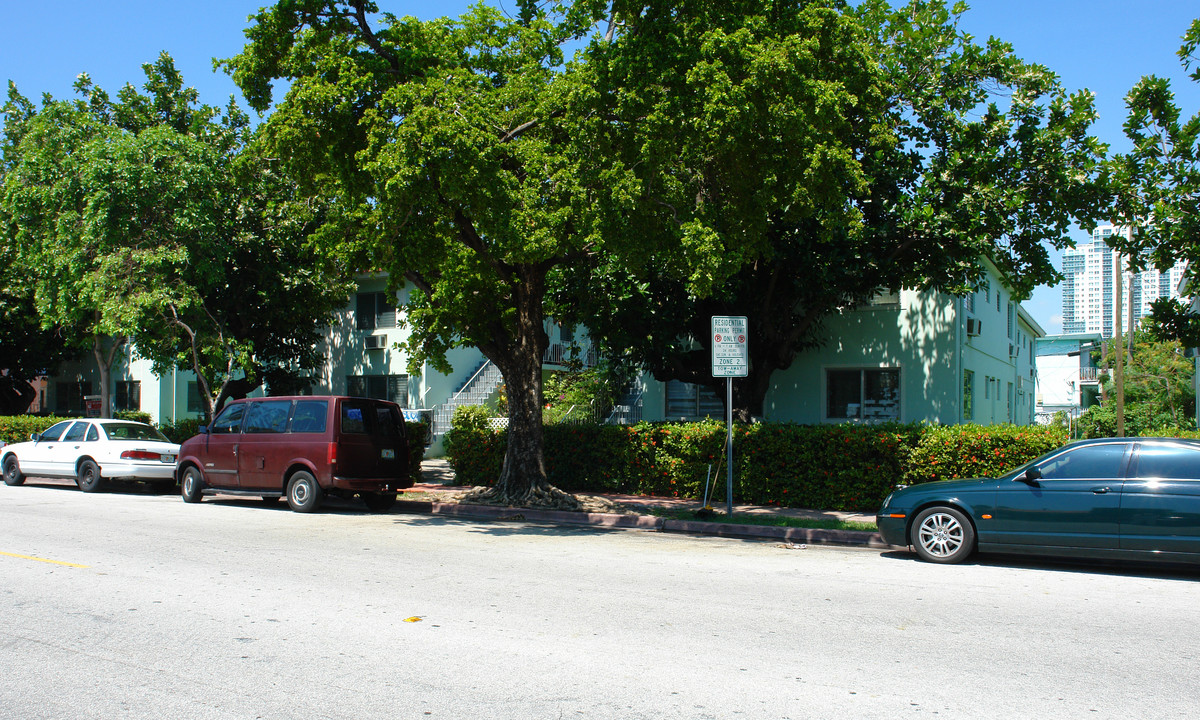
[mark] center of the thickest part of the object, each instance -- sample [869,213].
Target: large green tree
[152,218]
[470,162]
[834,152]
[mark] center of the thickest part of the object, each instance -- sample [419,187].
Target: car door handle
[1099,490]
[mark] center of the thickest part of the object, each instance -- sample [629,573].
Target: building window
[129,395]
[687,400]
[1009,403]
[374,311]
[380,387]
[862,394]
[886,298]
[1010,320]
[68,396]
[968,395]
[194,405]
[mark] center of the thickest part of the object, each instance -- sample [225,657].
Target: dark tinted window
[310,416]
[229,421]
[55,431]
[1092,461]
[77,432]
[269,416]
[1168,462]
[93,434]
[387,422]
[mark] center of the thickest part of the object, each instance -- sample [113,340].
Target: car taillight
[332,453]
[140,455]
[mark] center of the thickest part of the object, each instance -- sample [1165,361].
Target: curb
[808,536]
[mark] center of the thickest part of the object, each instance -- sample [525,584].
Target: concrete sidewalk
[437,493]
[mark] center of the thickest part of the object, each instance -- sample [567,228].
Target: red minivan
[301,448]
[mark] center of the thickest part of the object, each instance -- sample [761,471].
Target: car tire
[191,485]
[12,471]
[304,493]
[943,535]
[88,478]
[379,502]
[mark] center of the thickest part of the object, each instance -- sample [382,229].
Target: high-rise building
[1089,293]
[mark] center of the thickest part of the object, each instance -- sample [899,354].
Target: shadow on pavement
[1084,566]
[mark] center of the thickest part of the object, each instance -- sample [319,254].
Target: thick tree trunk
[524,469]
[523,478]
[104,361]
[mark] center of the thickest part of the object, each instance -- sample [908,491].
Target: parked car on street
[300,448]
[92,452]
[1116,498]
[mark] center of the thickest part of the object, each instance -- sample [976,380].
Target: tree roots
[545,498]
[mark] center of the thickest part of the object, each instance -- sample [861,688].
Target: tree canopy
[831,152]
[1156,186]
[153,218]
[469,161]
[1157,183]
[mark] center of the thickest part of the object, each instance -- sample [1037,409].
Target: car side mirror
[1030,477]
[203,429]
[35,437]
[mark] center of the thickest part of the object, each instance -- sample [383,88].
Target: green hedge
[18,428]
[958,451]
[842,467]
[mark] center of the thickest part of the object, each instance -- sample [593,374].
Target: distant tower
[1088,288]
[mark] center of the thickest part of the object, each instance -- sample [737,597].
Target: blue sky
[1101,45]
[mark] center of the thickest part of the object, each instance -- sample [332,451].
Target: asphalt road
[130,605]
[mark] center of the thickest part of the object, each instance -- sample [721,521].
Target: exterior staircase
[628,411]
[480,386]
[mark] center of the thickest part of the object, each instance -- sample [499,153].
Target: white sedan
[92,452]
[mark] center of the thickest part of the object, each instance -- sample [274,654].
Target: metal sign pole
[731,358]
[729,446]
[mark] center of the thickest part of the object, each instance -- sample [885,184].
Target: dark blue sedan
[1116,498]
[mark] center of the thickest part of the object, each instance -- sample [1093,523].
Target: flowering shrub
[840,467]
[965,451]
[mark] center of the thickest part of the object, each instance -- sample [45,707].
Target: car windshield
[132,431]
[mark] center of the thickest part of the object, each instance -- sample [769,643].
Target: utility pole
[1119,374]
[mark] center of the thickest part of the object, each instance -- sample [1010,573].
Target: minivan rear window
[353,420]
[386,422]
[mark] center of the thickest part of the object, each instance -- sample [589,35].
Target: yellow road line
[38,559]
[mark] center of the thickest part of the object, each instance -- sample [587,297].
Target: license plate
[388,454]
[168,458]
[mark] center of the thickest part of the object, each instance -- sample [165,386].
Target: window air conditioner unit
[375,342]
[973,326]
[1013,350]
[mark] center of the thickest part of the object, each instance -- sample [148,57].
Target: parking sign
[730,347]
